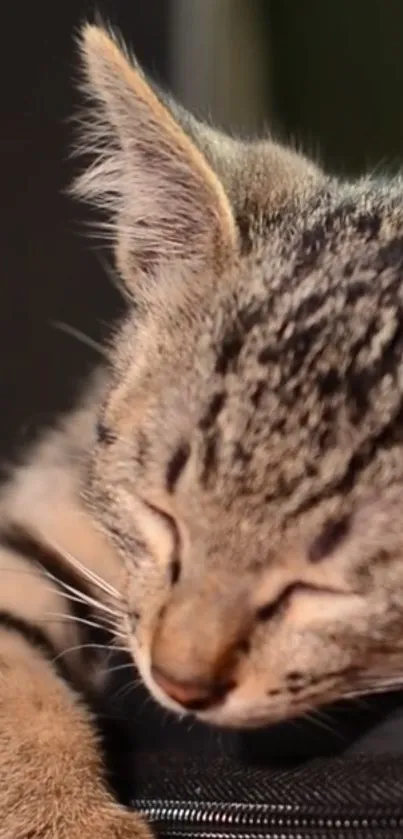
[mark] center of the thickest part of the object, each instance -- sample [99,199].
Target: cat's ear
[163,202]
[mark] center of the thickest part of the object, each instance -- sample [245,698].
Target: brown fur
[231,492]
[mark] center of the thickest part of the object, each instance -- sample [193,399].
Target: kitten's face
[262,543]
[238,608]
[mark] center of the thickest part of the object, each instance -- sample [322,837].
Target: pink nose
[194,695]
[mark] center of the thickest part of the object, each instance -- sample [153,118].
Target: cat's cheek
[146,595]
[145,604]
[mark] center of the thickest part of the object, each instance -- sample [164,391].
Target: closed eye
[170,524]
[269,610]
[281,602]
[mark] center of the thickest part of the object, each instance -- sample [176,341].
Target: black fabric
[52,268]
[344,767]
[350,797]
[372,725]
[350,786]
[357,792]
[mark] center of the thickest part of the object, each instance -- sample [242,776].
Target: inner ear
[163,201]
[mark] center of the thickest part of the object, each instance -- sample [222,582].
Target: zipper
[214,820]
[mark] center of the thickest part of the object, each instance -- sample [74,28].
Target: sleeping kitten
[228,500]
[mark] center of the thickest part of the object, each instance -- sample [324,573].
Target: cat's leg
[51,776]
[52,783]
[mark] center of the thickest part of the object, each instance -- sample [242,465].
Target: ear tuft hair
[163,202]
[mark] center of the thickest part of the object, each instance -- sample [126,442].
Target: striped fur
[54,646]
[227,502]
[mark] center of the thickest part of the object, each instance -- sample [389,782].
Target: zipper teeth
[258,817]
[291,833]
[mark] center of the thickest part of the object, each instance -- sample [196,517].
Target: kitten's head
[261,537]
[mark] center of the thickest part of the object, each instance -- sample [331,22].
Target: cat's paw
[115,823]
[123,825]
[111,822]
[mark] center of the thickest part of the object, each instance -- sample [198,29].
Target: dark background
[336,80]
[336,84]
[50,271]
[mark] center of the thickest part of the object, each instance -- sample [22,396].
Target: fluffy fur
[229,498]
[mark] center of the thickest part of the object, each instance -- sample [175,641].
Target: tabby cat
[227,501]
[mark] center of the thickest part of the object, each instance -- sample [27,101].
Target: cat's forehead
[299,382]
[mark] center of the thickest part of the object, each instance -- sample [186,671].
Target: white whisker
[127,666]
[109,626]
[114,277]
[128,688]
[376,687]
[81,596]
[90,575]
[315,717]
[72,594]
[80,647]
[75,619]
[81,336]
[108,623]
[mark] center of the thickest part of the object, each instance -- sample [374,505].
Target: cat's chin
[240,723]
[233,714]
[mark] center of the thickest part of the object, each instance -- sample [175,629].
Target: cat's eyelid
[163,514]
[272,608]
[175,533]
